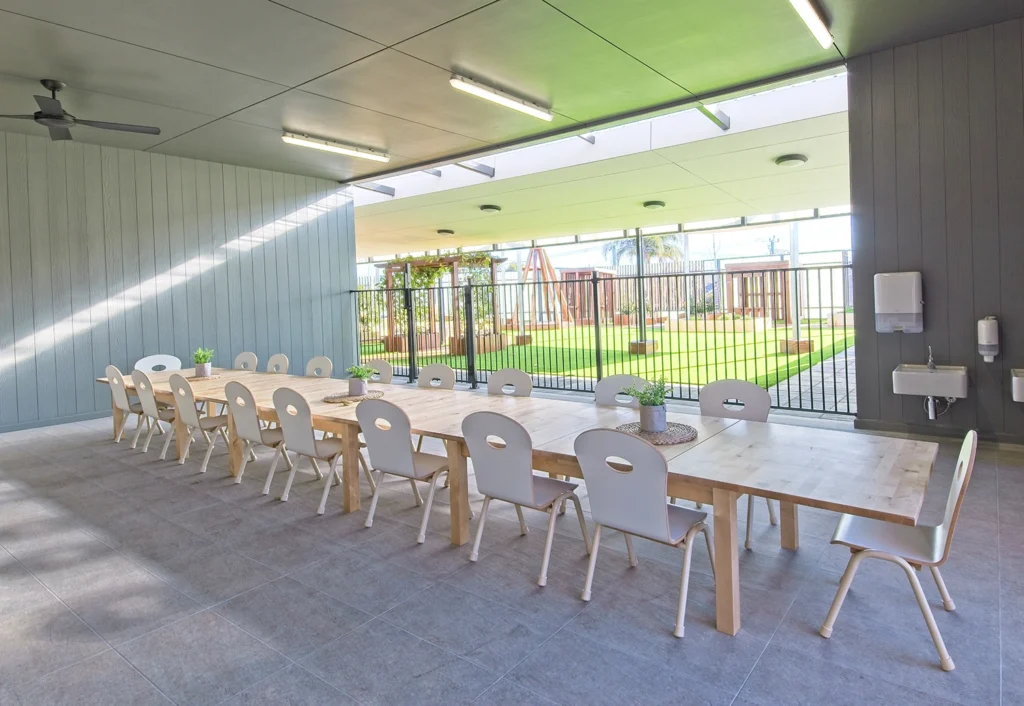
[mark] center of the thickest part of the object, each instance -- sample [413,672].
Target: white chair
[608,391]
[385,371]
[151,411]
[246,361]
[630,497]
[278,363]
[319,367]
[909,547]
[247,426]
[120,395]
[519,381]
[436,376]
[158,363]
[389,442]
[185,408]
[756,403]
[502,455]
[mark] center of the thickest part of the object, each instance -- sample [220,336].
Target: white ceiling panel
[792,182]
[826,151]
[632,206]
[826,196]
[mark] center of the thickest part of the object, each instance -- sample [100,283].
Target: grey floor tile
[293,686]
[435,558]
[21,590]
[382,664]
[346,530]
[293,618]
[214,574]
[222,522]
[508,693]
[202,659]
[284,548]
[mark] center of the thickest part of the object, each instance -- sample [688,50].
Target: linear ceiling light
[478,89]
[813,19]
[335,147]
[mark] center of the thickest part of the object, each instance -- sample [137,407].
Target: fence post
[596,304]
[470,336]
[410,318]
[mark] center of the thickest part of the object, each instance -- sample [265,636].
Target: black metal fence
[788,330]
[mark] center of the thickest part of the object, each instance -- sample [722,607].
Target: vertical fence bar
[410,319]
[596,316]
[470,337]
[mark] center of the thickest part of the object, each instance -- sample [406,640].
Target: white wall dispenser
[988,338]
[899,303]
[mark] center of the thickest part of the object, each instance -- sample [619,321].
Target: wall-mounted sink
[1017,384]
[943,381]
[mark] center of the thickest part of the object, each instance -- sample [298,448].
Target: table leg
[180,437]
[459,492]
[790,525]
[350,467]
[727,562]
[118,417]
[236,447]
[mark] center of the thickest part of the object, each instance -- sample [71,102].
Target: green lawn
[682,357]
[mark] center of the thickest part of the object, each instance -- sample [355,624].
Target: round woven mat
[193,378]
[347,399]
[673,434]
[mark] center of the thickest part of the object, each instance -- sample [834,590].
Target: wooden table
[872,476]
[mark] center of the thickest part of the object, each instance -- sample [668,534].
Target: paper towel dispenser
[899,302]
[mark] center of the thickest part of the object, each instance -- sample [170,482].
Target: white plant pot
[204,370]
[356,387]
[652,419]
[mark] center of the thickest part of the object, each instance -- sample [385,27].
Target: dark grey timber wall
[937,186]
[108,255]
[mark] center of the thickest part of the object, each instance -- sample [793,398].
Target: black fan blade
[18,117]
[122,127]
[59,133]
[49,106]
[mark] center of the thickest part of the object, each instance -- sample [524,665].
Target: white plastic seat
[152,412]
[185,408]
[909,547]
[437,376]
[278,363]
[246,361]
[319,367]
[630,497]
[158,363]
[385,371]
[756,403]
[120,396]
[388,435]
[247,426]
[608,391]
[502,455]
[519,381]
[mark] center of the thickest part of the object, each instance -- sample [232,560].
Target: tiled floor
[127,580]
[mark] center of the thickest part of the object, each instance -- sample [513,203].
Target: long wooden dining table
[872,476]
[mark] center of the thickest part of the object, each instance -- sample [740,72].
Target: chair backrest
[319,367]
[296,421]
[388,434]
[755,400]
[117,390]
[246,361]
[184,400]
[958,489]
[144,391]
[607,392]
[385,371]
[278,363]
[243,410]
[436,375]
[157,363]
[502,454]
[629,495]
[520,383]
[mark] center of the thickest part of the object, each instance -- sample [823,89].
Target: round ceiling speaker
[445,231]
[654,205]
[791,160]
[490,208]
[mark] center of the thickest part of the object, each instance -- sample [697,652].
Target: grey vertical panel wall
[108,255]
[937,186]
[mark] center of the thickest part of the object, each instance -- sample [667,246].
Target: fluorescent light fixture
[478,89]
[335,147]
[812,18]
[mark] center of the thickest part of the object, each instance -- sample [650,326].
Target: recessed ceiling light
[490,208]
[445,231]
[654,205]
[814,21]
[335,147]
[501,98]
[791,160]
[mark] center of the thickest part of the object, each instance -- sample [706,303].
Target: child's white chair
[520,383]
[385,371]
[151,411]
[121,401]
[185,408]
[246,361]
[608,391]
[319,367]
[436,376]
[158,363]
[247,426]
[278,363]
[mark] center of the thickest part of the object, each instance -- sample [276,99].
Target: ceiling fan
[51,114]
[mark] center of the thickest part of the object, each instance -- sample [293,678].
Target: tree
[661,247]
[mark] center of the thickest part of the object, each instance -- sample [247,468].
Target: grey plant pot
[652,419]
[204,370]
[356,387]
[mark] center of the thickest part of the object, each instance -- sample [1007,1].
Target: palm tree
[662,247]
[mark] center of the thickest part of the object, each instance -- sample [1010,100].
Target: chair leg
[167,443]
[711,548]
[945,661]
[120,429]
[138,432]
[373,500]
[252,455]
[771,513]
[327,486]
[750,521]
[160,429]
[273,467]
[291,476]
[629,550]
[475,554]
[947,600]
[416,492]
[209,452]
[699,506]
[684,585]
[426,510]
[246,452]
[672,499]
[582,519]
[523,529]
[419,443]
[316,468]
[149,437]
[369,476]
[844,587]
[592,564]
[552,515]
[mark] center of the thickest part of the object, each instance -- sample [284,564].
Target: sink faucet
[931,361]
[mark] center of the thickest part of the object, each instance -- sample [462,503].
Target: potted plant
[652,404]
[357,382]
[202,358]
